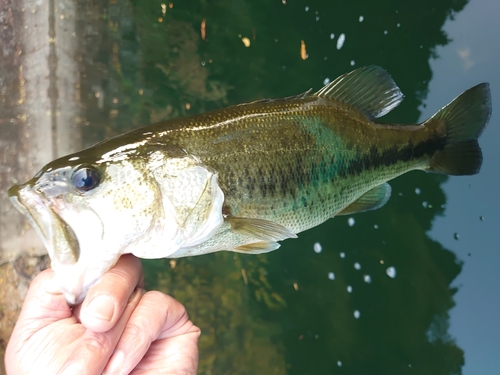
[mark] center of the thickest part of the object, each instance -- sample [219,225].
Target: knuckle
[99,342]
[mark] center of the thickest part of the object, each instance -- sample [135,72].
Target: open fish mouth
[57,236]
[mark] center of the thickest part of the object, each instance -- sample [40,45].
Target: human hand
[126,331]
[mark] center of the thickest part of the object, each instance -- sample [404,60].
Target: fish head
[88,213]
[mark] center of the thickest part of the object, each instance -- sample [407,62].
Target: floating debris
[203,29]
[295,286]
[303,51]
[246,41]
[326,81]
[317,248]
[244,275]
[391,272]
[173,263]
[456,236]
[340,41]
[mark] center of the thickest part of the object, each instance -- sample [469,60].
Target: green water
[377,298]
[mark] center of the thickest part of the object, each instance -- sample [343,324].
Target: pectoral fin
[257,247]
[371,200]
[264,230]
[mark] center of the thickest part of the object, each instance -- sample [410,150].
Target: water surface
[407,289]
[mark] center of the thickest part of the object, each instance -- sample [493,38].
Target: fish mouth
[57,236]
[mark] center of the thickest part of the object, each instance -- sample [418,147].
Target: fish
[242,178]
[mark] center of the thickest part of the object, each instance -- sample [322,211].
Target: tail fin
[464,118]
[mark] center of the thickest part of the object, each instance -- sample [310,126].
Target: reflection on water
[374,295]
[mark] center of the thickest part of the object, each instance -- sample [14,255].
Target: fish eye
[85,179]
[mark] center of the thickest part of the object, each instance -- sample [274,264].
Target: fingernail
[74,368]
[101,307]
[115,363]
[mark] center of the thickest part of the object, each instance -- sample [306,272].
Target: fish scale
[241,178]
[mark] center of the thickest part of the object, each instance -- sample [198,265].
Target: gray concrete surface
[39,103]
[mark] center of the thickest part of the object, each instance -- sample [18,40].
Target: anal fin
[371,200]
[257,247]
[261,229]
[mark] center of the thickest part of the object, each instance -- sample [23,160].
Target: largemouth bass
[241,178]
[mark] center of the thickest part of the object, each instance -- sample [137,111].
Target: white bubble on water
[331,275]
[351,221]
[375,226]
[361,18]
[385,32]
[339,363]
[307,9]
[357,266]
[317,248]
[391,272]
[349,289]
[357,314]
[332,36]
[418,191]
[353,62]
[367,279]
[326,81]
[425,204]
[340,41]
[398,24]
[342,255]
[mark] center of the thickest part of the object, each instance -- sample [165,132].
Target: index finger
[107,299]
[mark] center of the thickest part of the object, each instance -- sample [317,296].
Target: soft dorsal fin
[370,89]
[371,200]
[305,94]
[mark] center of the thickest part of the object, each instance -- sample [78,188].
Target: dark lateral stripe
[375,158]
[292,176]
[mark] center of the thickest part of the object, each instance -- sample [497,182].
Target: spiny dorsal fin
[371,200]
[370,89]
[264,230]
